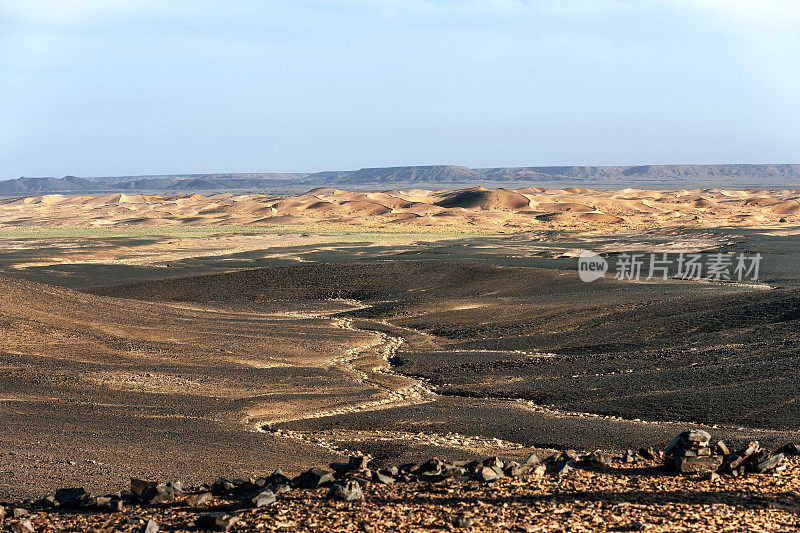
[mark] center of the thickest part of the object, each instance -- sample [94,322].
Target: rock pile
[692,452]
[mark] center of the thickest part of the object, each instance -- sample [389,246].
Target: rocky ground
[693,485]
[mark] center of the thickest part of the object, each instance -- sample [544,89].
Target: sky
[134,87]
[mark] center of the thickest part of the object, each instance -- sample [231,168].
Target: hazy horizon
[121,87]
[235,172]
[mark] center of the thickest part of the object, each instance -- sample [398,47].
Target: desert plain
[199,336]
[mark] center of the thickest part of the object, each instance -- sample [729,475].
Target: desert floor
[191,348]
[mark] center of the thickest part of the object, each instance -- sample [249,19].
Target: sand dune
[473,208]
[480,198]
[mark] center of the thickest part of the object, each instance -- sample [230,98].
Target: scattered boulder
[116,506]
[630,456]
[261,498]
[355,463]
[195,500]
[23,526]
[488,474]
[346,492]
[274,480]
[564,467]
[533,459]
[738,459]
[159,493]
[72,497]
[149,527]
[315,478]
[138,486]
[722,449]
[48,502]
[383,479]
[222,485]
[599,459]
[789,450]
[768,463]
[650,454]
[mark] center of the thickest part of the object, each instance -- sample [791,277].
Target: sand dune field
[477,207]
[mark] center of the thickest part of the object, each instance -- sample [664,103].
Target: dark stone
[23,526]
[432,466]
[789,450]
[514,469]
[46,503]
[116,506]
[493,462]
[175,487]
[158,493]
[676,443]
[274,480]
[452,471]
[261,498]
[692,465]
[570,455]
[533,459]
[362,480]
[648,453]
[138,486]
[198,499]
[693,439]
[215,521]
[222,485]
[431,477]
[280,488]
[346,492]
[358,462]
[315,478]
[484,473]
[19,512]
[769,463]
[70,497]
[564,468]
[149,527]
[600,459]
[383,479]
[392,471]
[722,449]
[698,437]
[741,456]
[685,452]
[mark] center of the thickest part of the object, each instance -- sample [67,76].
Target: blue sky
[120,87]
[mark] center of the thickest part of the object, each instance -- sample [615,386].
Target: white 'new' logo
[591,266]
